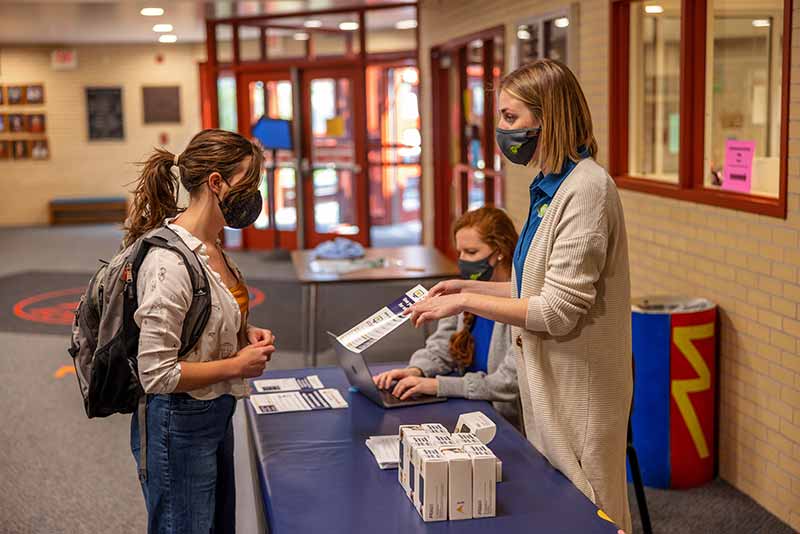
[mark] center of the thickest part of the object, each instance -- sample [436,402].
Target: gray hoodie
[499,385]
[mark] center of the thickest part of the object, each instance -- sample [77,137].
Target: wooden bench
[88,210]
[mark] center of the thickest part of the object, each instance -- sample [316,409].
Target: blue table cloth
[317,475]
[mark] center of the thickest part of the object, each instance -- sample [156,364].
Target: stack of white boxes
[447,476]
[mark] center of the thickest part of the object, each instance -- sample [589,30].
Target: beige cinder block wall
[748,264]
[78,167]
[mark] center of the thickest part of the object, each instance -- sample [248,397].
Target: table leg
[312,325]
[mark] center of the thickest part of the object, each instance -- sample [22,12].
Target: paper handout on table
[380,323]
[273,385]
[386,450]
[298,401]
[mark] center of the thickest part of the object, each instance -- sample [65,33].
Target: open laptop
[359,375]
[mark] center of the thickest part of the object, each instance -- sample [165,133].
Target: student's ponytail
[155,197]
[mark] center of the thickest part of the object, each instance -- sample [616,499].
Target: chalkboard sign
[104,106]
[161,104]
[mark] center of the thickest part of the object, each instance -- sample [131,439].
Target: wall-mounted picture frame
[161,104]
[15,94]
[16,123]
[34,94]
[5,149]
[40,149]
[3,123]
[104,110]
[20,150]
[36,123]
[2,95]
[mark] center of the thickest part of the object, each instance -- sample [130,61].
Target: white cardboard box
[477,423]
[464,438]
[430,488]
[459,483]
[413,443]
[403,457]
[442,440]
[484,480]
[435,428]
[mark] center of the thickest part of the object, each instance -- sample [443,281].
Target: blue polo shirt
[482,330]
[542,190]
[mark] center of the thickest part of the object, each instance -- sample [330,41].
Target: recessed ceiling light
[561,22]
[409,24]
[167,38]
[654,9]
[523,34]
[162,28]
[760,23]
[301,36]
[313,23]
[152,11]
[348,26]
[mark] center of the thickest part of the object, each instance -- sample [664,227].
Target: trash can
[674,418]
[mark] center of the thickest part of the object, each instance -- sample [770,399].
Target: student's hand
[250,361]
[415,385]
[433,308]
[257,335]
[385,379]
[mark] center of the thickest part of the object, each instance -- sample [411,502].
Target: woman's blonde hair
[556,99]
[496,230]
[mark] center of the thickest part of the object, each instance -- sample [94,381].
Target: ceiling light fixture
[167,38]
[760,23]
[561,22]
[301,36]
[313,23]
[162,28]
[409,24]
[348,26]
[654,9]
[152,11]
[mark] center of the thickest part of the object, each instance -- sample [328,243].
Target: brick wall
[748,264]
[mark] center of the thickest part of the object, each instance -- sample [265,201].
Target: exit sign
[64,59]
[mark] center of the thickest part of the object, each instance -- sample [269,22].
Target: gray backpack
[105,338]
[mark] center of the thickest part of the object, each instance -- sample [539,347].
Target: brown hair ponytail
[496,230]
[156,195]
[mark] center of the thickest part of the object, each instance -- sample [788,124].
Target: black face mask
[242,212]
[518,145]
[476,270]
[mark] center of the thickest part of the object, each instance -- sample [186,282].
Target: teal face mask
[518,145]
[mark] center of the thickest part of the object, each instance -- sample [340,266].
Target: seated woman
[469,356]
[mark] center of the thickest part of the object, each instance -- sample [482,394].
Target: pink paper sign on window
[738,165]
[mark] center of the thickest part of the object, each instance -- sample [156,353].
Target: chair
[636,473]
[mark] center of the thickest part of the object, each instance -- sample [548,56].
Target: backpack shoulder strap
[200,309]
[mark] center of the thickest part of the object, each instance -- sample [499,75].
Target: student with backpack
[179,349]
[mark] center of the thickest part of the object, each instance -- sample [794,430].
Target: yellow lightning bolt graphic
[683,337]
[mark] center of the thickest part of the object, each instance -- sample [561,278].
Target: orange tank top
[242,296]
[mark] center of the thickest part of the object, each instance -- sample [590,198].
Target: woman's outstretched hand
[432,308]
[448,287]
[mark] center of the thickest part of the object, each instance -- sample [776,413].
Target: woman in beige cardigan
[568,302]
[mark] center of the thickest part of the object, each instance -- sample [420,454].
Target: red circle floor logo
[58,307]
[53,307]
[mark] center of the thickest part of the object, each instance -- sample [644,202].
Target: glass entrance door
[335,179]
[270,95]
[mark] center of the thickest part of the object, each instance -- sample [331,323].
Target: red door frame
[361,182]
[253,238]
[444,185]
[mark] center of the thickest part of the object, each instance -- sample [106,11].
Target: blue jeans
[190,481]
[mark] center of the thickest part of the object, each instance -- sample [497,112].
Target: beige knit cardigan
[574,354]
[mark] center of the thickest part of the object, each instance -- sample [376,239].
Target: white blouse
[165,293]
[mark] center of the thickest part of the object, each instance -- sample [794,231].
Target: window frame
[571,12]
[691,167]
